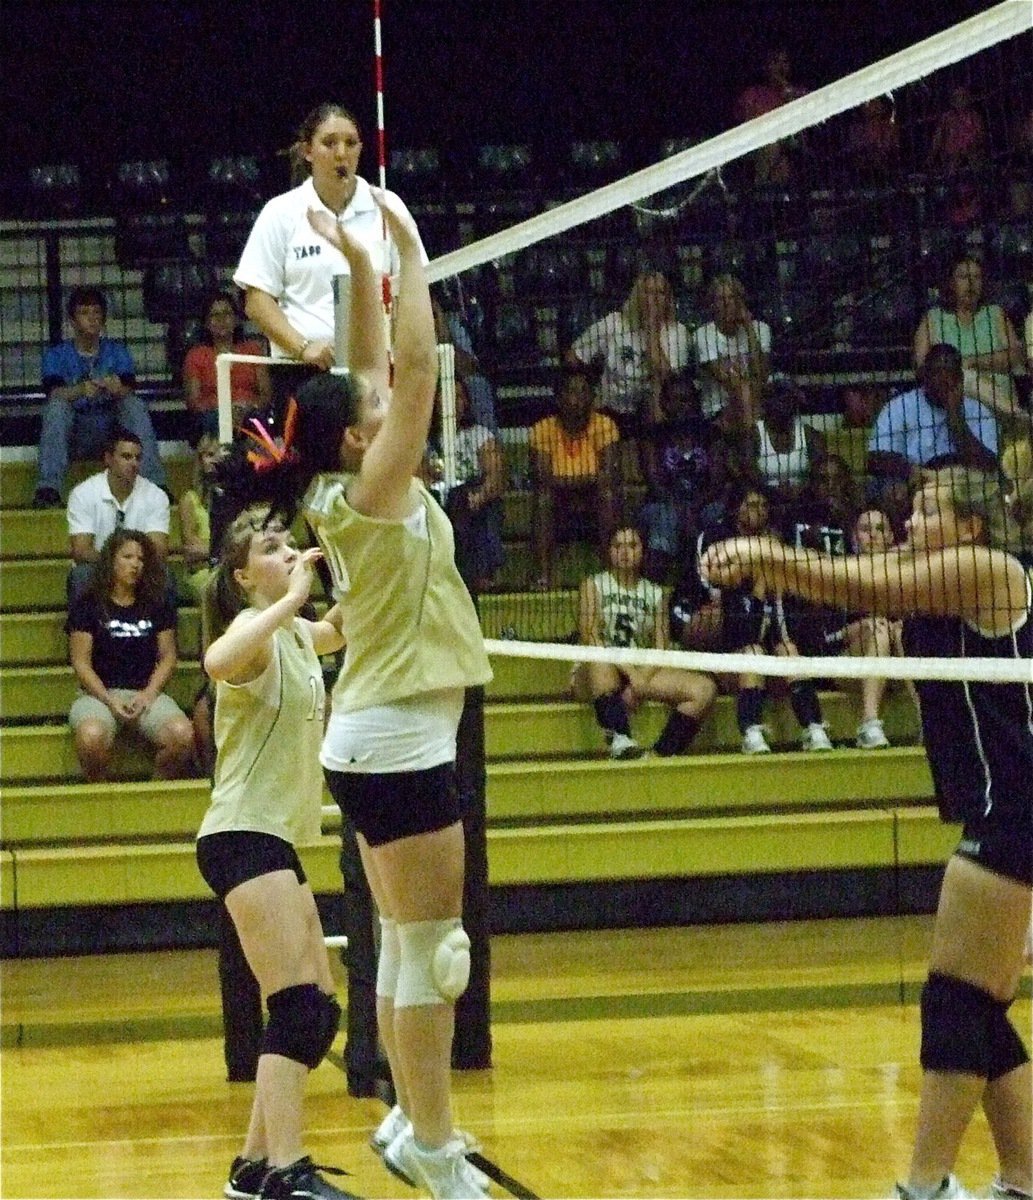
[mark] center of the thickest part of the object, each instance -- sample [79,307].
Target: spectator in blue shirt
[89,381]
[933,425]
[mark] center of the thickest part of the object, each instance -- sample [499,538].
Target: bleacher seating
[560,813]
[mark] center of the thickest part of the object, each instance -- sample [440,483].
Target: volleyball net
[751,316]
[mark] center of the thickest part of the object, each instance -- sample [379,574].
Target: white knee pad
[435,962]
[390,960]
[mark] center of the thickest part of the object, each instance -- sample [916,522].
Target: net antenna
[378,58]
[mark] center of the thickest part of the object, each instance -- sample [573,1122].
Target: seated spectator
[785,447]
[753,623]
[250,386]
[1020,177]
[732,351]
[195,529]
[872,637]
[474,499]
[821,517]
[774,163]
[450,330]
[635,349]
[984,337]
[958,152]
[194,515]
[823,513]
[122,642]
[117,497]
[677,463]
[695,608]
[959,139]
[573,473]
[619,608]
[873,142]
[89,381]
[932,425]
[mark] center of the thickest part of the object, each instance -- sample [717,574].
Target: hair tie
[272,452]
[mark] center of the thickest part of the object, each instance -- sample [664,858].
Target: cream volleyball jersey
[267,737]
[629,614]
[409,620]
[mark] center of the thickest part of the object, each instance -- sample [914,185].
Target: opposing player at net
[964,587]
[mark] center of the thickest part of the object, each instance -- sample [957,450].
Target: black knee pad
[965,1030]
[303,1023]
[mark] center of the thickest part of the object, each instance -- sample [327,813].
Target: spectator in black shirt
[122,641]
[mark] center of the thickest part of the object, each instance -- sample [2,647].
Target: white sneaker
[444,1172]
[950,1189]
[999,1190]
[388,1129]
[754,741]
[624,747]
[871,735]
[815,737]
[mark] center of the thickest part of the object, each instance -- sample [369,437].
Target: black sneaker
[245,1181]
[302,1181]
[47,498]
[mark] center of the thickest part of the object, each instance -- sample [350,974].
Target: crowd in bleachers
[675,436]
[672,412]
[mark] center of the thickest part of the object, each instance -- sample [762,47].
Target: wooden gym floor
[775,1060]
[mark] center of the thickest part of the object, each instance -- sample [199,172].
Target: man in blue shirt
[933,425]
[89,383]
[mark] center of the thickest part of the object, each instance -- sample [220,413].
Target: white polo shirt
[287,259]
[94,510]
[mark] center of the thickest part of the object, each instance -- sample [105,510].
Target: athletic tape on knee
[390,959]
[959,1023]
[303,1022]
[435,962]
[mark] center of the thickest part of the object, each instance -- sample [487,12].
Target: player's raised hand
[400,223]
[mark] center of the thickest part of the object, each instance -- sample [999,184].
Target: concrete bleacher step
[27,534]
[517,793]
[39,637]
[42,533]
[18,478]
[46,693]
[38,584]
[58,876]
[533,731]
[33,592]
[560,728]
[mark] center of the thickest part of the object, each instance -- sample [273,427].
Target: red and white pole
[385,282]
